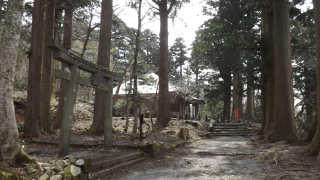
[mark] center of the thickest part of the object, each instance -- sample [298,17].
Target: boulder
[62,163]
[80,162]
[30,170]
[56,177]
[57,169]
[75,170]
[62,174]
[44,177]
[68,174]
[50,172]
[72,159]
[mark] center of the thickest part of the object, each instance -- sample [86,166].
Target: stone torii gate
[70,74]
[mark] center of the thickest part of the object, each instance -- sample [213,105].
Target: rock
[75,170]
[66,157]
[57,169]
[56,177]
[152,149]
[46,168]
[83,176]
[62,174]
[80,162]
[208,135]
[30,170]
[87,166]
[44,177]
[72,159]
[68,174]
[62,163]
[184,134]
[50,172]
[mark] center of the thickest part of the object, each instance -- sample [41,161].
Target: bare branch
[173,2]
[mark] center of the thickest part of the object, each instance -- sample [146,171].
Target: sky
[188,20]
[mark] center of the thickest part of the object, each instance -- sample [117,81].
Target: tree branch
[173,2]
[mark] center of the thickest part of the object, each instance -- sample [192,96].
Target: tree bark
[135,69]
[265,33]
[270,60]
[10,149]
[67,42]
[314,146]
[237,98]
[250,106]
[163,115]
[284,115]
[46,80]
[104,61]
[227,97]
[32,122]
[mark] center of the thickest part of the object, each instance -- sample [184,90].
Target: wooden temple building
[181,105]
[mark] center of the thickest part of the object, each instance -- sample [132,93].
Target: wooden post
[108,116]
[235,113]
[67,113]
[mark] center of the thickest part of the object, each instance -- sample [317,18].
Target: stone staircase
[229,129]
[104,168]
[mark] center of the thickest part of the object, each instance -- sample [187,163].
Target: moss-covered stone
[7,174]
[152,149]
[83,176]
[68,175]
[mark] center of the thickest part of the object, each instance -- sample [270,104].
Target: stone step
[111,162]
[213,129]
[111,170]
[229,129]
[230,124]
[231,134]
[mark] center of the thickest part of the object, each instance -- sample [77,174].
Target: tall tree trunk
[314,146]
[284,117]
[163,115]
[270,63]
[235,94]
[46,80]
[104,61]
[250,94]
[128,107]
[265,33]
[32,122]
[67,42]
[227,97]
[10,149]
[135,76]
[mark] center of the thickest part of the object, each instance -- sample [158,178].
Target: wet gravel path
[219,158]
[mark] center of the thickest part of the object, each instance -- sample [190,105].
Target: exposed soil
[213,158]
[47,153]
[229,158]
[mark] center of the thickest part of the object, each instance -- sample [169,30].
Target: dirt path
[222,158]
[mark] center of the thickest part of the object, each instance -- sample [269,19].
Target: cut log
[184,133]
